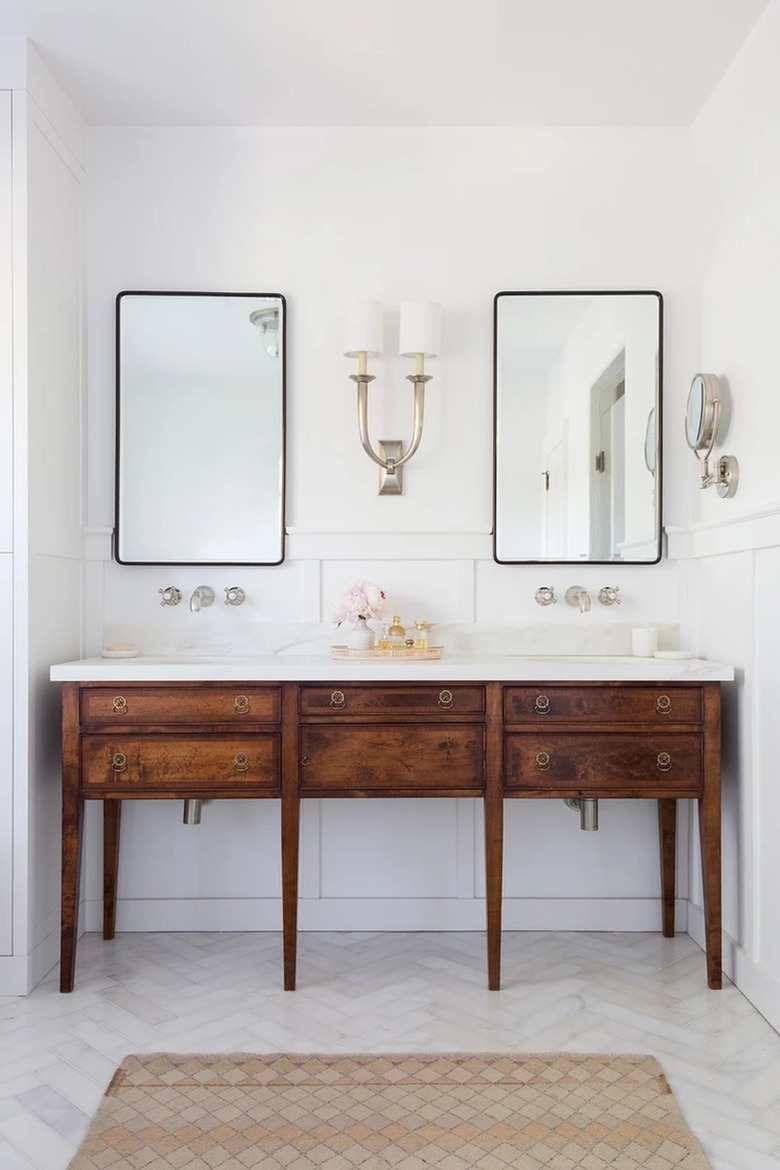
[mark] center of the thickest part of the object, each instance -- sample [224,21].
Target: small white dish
[678,654]
[127,653]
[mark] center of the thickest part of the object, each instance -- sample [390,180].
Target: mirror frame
[117,407]
[658,406]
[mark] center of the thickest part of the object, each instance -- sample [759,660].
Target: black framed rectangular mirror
[577,401]
[200,428]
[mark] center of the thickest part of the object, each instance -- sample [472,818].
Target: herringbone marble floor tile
[394,993]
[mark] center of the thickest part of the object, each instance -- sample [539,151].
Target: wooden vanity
[370,737]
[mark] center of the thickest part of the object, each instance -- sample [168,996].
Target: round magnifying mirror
[701,414]
[650,442]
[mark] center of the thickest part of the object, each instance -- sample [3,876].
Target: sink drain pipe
[588,809]
[192,811]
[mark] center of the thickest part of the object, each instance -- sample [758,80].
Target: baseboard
[326,914]
[19,974]
[756,984]
[14,978]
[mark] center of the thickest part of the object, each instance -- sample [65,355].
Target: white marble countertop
[450,668]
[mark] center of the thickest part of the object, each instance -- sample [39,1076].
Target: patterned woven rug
[401,1112]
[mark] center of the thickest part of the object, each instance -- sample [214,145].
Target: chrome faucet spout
[201,597]
[579,597]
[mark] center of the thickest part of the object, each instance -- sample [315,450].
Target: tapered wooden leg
[709,835]
[494,862]
[72,830]
[709,839]
[494,835]
[667,837]
[112,816]
[291,805]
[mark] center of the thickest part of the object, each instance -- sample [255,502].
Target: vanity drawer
[179,705]
[613,764]
[603,704]
[357,760]
[180,762]
[390,701]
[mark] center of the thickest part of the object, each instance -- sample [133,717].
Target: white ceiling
[386,62]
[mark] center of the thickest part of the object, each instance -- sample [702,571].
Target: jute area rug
[464,1112]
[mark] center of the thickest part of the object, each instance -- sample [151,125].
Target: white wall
[733,550]
[41,591]
[324,216]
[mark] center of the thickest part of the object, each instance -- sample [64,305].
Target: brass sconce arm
[390,465]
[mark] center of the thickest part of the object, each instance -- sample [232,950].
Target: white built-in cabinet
[6,527]
[41,407]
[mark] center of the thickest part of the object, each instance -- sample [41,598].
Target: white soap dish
[125,652]
[678,654]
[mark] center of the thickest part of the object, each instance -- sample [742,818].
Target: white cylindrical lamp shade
[364,329]
[420,329]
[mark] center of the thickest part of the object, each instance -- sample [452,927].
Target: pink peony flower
[360,599]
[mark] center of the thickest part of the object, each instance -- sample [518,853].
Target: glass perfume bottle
[421,635]
[397,633]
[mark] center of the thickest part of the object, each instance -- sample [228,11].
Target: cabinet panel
[192,705]
[603,704]
[180,762]
[390,701]
[618,764]
[6,326]
[358,759]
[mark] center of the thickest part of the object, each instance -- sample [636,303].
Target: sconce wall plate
[702,420]
[391,482]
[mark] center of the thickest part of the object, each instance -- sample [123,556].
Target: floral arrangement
[360,599]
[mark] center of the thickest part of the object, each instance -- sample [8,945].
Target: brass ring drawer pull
[304,760]
[445,699]
[119,706]
[542,705]
[241,705]
[543,761]
[242,762]
[663,704]
[338,700]
[663,762]
[119,762]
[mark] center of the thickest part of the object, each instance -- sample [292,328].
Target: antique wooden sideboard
[126,738]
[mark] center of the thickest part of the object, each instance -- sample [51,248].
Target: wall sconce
[267,321]
[420,337]
[702,418]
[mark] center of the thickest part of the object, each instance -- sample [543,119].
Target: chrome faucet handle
[170,595]
[608,595]
[201,597]
[578,597]
[234,595]
[545,595]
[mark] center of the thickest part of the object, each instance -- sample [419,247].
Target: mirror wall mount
[702,421]
[420,337]
[200,428]
[577,473]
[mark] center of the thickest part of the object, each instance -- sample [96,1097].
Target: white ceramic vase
[360,636]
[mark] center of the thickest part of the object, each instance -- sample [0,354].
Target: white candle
[364,334]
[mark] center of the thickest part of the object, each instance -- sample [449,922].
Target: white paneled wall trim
[731,534]
[379,914]
[307,545]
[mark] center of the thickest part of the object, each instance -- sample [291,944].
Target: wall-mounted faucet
[170,595]
[545,595]
[577,596]
[202,597]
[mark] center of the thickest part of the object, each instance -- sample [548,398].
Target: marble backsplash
[263,639]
